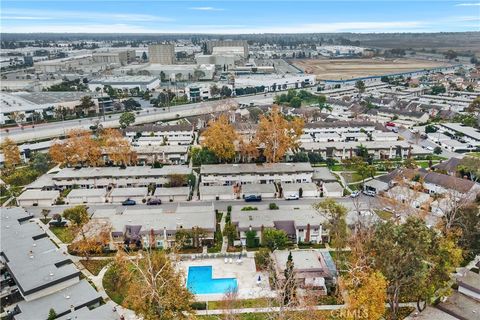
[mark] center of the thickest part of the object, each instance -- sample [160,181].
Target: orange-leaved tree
[220,138]
[11,153]
[78,149]
[117,147]
[276,135]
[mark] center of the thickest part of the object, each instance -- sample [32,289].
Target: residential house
[302,223]
[245,173]
[172,194]
[157,226]
[137,194]
[40,198]
[108,177]
[310,268]
[79,196]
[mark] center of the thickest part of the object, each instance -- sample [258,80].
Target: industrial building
[161,53]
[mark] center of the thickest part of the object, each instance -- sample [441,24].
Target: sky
[234,17]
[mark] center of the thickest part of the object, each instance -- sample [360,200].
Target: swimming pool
[200,281]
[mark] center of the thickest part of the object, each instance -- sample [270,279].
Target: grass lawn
[64,234]
[474,154]
[337,167]
[95,266]
[385,215]
[112,287]
[242,303]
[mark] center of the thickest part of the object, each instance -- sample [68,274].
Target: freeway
[148,115]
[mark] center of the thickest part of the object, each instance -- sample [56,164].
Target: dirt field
[342,69]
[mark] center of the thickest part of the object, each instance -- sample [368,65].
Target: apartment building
[37,276]
[403,117]
[157,226]
[469,135]
[108,177]
[339,130]
[152,134]
[302,223]
[377,149]
[166,154]
[245,173]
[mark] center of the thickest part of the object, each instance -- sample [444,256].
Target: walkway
[328,307]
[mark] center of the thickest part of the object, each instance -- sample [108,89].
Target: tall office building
[161,53]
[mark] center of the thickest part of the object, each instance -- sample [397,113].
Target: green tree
[41,162]
[131,104]
[251,238]
[78,215]
[203,156]
[437,150]
[360,85]
[470,166]
[290,287]
[126,119]
[335,214]
[296,102]
[415,260]
[230,231]
[274,239]
[52,315]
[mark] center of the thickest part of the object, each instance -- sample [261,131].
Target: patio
[245,273]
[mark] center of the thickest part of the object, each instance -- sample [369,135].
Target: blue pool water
[199,281]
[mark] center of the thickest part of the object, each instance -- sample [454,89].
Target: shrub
[262,258]
[199,306]
[249,208]
[273,206]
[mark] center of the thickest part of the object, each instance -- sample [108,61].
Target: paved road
[361,203]
[149,115]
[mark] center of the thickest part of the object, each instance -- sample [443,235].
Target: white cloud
[467,4]
[206,9]
[391,26]
[18,14]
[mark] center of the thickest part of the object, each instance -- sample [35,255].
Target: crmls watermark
[350,314]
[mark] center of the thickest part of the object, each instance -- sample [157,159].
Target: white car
[354,194]
[292,197]
[369,193]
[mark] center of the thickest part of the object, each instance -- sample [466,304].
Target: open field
[341,69]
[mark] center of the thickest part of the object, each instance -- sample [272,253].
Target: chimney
[307,235]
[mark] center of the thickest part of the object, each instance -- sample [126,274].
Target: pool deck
[245,273]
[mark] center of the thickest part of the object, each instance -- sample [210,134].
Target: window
[300,230]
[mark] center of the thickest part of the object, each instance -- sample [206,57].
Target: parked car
[390,124]
[129,202]
[154,202]
[369,193]
[292,197]
[354,194]
[253,198]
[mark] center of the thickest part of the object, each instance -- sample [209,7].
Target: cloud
[206,9]
[390,26]
[467,4]
[21,14]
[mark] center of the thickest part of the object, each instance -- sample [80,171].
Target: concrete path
[277,309]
